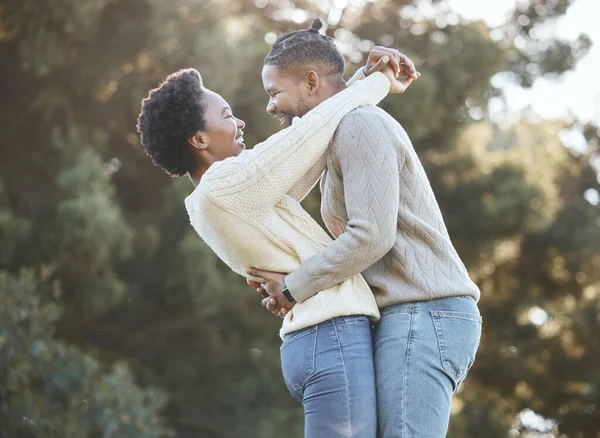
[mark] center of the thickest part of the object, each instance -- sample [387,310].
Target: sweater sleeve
[357,76]
[308,181]
[259,177]
[366,150]
[305,184]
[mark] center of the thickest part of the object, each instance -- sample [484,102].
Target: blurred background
[117,321]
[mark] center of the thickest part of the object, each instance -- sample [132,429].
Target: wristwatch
[286,292]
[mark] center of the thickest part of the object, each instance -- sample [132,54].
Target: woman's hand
[386,67]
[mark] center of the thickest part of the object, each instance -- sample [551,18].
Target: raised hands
[398,67]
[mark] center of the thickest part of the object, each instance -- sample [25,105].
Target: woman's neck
[197,174]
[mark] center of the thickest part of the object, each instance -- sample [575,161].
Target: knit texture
[378,203]
[243,210]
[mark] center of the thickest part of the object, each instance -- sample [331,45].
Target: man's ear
[199,140]
[313,81]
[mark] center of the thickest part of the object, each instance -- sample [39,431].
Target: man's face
[287,95]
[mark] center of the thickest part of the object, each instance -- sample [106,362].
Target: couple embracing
[380,324]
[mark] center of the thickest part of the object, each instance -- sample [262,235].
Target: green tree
[50,389]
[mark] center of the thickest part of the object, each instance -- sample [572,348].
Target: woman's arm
[258,178]
[305,184]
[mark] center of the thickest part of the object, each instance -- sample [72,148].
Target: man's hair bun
[316,25]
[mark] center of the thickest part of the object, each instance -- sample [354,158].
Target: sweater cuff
[299,291]
[357,76]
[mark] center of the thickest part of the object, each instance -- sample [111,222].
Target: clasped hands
[398,67]
[271,291]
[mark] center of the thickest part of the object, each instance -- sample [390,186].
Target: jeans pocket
[298,360]
[458,336]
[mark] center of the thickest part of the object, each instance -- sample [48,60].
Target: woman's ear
[313,81]
[199,140]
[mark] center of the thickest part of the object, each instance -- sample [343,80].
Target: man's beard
[301,110]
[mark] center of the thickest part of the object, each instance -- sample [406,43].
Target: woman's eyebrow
[225,109]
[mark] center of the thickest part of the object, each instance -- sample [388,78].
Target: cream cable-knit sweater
[247,209]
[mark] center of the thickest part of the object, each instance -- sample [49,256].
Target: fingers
[379,65]
[269,303]
[409,66]
[403,65]
[395,63]
[262,292]
[263,275]
[254,272]
[392,54]
[276,308]
[406,82]
[272,305]
[254,284]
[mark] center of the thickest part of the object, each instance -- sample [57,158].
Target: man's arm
[368,162]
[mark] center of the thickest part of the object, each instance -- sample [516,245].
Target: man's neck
[330,91]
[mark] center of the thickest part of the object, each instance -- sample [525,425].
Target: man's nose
[270,107]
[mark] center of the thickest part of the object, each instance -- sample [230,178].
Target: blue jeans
[329,369]
[423,351]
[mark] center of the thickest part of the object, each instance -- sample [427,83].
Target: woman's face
[223,134]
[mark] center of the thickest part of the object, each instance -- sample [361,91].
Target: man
[379,205]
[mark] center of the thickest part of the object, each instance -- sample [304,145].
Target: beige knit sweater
[247,209]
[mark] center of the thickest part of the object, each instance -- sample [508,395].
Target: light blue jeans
[329,369]
[423,351]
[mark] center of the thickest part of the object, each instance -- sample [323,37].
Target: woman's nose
[241,124]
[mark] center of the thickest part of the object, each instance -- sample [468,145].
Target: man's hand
[401,64]
[273,298]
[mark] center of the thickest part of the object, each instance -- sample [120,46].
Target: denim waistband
[338,321]
[459,303]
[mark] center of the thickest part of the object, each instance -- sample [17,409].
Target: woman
[245,206]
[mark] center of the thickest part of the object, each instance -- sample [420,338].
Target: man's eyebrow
[270,90]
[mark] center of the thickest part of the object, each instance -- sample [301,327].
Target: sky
[576,94]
